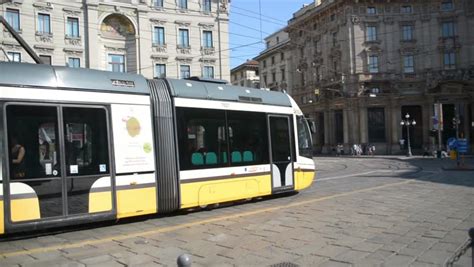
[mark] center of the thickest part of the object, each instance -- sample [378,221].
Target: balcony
[44,37]
[183,49]
[160,48]
[207,51]
[73,40]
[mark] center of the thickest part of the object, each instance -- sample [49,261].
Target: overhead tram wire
[256,38]
[245,45]
[294,27]
[361,37]
[281,22]
[260,16]
[199,55]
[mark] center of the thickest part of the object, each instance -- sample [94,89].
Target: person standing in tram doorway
[18,159]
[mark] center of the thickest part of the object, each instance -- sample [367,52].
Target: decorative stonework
[223,6]
[448,44]
[117,26]
[14,3]
[184,60]
[389,20]
[207,51]
[73,52]
[115,49]
[158,21]
[12,46]
[206,26]
[7,34]
[159,59]
[71,12]
[425,17]
[355,20]
[44,49]
[208,61]
[183,50]
[182,23]
[76,41]
[160,48]
[43,6]
[44,37]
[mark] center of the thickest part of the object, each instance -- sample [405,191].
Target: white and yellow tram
[102,145]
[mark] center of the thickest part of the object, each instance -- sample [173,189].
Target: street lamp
[407,122]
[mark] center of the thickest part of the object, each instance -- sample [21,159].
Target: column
[326,132]
[144,62]
[396,128]
[91,40]
[363,127]
[345,122]
[427,123]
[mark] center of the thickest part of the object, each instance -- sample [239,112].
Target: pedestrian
[18,152]
[426,152]
[402,144]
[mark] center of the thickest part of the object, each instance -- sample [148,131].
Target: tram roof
[224,92]
[47,76]
[42,75]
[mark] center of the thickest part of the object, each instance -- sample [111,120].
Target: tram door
[281,155]
[59,162]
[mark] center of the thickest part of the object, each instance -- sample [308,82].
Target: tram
[82,145]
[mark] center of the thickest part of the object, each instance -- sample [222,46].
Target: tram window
[249,139]
[281,146]
[304,138]
[85,135]
[202,142]
[35,129]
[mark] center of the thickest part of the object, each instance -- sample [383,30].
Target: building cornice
[274,49]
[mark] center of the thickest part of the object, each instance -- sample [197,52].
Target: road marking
[186,225]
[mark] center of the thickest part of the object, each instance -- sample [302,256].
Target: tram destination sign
[122,83]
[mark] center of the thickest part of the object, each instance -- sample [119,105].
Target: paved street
[394,211]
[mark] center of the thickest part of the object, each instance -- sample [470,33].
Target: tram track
[176,227]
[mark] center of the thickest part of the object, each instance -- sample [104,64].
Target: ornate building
[246,74]
[273,62]
[156,38]
[362,65]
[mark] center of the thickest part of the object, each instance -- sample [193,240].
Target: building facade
[273,62]
[246,74]
[363,65]
[155,38]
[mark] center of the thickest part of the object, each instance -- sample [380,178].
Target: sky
[246,39]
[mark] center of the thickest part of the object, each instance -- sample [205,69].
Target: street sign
[462,145]
[452,143]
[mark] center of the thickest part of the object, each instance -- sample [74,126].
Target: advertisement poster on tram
[133,140]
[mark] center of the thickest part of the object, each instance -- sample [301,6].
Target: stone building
[156,38]
[363,65]
[246,74]
[273,62]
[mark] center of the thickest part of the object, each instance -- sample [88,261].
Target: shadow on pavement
[427,169]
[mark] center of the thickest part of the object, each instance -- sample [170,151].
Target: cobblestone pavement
[360,211]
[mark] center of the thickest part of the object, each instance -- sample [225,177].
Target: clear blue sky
[244,25]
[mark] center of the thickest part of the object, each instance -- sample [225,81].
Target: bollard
[184,260]
[471,235]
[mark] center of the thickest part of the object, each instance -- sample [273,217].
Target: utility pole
[219,37]
[440,123]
